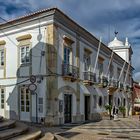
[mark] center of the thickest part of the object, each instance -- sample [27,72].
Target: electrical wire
[14,84]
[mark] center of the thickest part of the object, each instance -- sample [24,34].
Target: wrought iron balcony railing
[70,71]
[112,83]
[128,88]
[102,80]
[89,76]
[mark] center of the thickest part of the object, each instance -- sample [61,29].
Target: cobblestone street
[123,129]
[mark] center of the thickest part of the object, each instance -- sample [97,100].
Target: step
[13,132]
[32,134]
[7,124]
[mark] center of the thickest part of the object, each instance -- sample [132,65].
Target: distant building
[74,75]
[136,98]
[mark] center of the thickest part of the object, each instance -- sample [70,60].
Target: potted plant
[109,108]
[122,110]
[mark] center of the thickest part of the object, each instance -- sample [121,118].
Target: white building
[71,86]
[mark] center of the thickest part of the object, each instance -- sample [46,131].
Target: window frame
[2,99]
[25,52]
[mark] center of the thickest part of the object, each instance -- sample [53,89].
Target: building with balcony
[54,71]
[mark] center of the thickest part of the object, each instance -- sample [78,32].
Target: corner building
[73,79]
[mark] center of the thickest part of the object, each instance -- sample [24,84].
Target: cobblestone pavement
[123,129]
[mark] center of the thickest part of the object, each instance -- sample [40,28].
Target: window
[2,98]
[25,99]
[87,62]
[95,101]
[40,104]
[24,53]
[2,57]
[67,51]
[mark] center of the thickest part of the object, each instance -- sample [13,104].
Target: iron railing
[70,70]
[90,76]
[113,83]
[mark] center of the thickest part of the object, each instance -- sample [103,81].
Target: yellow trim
[68,40]
[24,37]
[2,42]
[4,62]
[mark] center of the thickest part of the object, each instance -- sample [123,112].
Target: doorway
[25,98]
[87,107]
[67,108]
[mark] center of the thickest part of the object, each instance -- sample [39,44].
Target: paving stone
[48,136]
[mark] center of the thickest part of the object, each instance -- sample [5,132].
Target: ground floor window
[2,95]
[25,99]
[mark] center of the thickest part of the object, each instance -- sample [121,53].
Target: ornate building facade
[55,71]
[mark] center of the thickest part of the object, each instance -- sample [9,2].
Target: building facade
[54,71]
[136,98]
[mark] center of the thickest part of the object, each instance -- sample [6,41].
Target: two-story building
[53,70]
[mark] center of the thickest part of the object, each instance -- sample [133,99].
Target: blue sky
[100,17]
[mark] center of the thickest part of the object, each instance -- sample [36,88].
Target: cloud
[101,17]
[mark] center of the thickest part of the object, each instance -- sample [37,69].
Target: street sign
[32,87]
[32,79]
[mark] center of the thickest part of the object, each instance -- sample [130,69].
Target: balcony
[102,81]
[70,72]
[89,78]
[128,88]
[113,84]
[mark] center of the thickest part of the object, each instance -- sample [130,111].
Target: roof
[115,43]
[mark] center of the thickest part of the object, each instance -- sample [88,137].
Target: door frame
[86,104]
[70,95]
[30,106]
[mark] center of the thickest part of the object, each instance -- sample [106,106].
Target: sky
[99,17]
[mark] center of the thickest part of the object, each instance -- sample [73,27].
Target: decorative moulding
[24,37]
[68,39]
[2,42]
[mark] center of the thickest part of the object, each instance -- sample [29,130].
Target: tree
[122,110]
[109,108]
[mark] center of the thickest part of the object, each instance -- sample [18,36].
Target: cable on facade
[14,84]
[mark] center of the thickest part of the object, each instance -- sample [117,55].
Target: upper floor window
[87,62]
[24,54]
[100,66]
[2,57]
[67,51]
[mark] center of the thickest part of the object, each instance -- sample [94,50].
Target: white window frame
[25,54]
[2,98]
[25,101]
